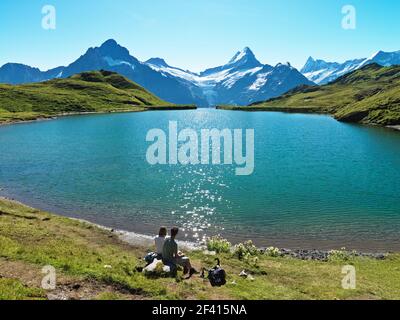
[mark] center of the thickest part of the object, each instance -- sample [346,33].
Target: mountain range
[242,80]
[322,72]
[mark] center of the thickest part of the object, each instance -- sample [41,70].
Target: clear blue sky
[196,34]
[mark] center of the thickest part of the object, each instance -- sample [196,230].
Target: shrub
[244,250]
[218,244]
[273,252]
[251,260]
[341,254]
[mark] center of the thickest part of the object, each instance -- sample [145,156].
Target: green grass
[370,95]
[12,289]
[97,91]
[29,237]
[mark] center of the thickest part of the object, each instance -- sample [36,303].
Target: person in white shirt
[159,241]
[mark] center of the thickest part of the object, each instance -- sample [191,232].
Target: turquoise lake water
[318,183]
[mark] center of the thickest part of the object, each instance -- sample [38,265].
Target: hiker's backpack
[217,275]
[150,257]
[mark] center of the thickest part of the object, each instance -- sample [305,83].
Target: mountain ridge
[87,92]
[238,81]
[322,72]
[242,80]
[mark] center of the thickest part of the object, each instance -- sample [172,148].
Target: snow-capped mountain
[322,72]
[113,57]
[241,81]
[242,60]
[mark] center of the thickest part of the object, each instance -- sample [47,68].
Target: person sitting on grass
[159,242]
[172,257]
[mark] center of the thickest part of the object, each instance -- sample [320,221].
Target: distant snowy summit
[322,72]
[241,81]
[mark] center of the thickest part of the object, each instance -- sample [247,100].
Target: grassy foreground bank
[87,92]
[92,263]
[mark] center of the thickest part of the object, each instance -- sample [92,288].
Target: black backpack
[216,275]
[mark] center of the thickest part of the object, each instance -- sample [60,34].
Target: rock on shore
[323,255]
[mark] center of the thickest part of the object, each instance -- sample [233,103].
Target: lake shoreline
[146,241]
[41,118]
[305,110]
[94,264]
[183,108]
[143,240]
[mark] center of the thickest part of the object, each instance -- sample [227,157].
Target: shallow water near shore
[318,183]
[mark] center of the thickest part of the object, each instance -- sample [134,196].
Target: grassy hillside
[370,95]
[92,263]
[97,91]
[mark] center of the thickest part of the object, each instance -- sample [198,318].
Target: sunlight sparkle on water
[199,200]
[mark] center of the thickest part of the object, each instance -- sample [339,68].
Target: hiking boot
[185,270]
[193,271]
